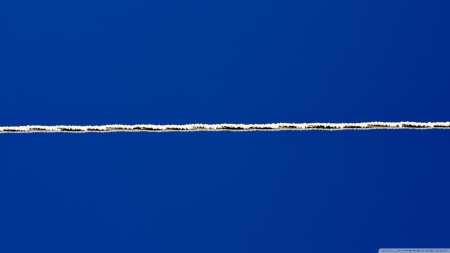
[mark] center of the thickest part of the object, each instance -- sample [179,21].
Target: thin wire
[224,127]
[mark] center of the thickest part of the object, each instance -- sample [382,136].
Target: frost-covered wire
[224,127]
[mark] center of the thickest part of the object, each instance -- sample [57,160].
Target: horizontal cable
[224,127]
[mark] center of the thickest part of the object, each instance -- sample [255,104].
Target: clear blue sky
[176,62]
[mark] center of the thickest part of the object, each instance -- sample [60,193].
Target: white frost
[224,127]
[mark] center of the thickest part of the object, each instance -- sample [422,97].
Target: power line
[224,127]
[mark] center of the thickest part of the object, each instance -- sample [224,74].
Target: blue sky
[179,62]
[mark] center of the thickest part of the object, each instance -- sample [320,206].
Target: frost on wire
[224,127]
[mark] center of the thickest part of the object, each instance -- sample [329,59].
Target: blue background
[179,62]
